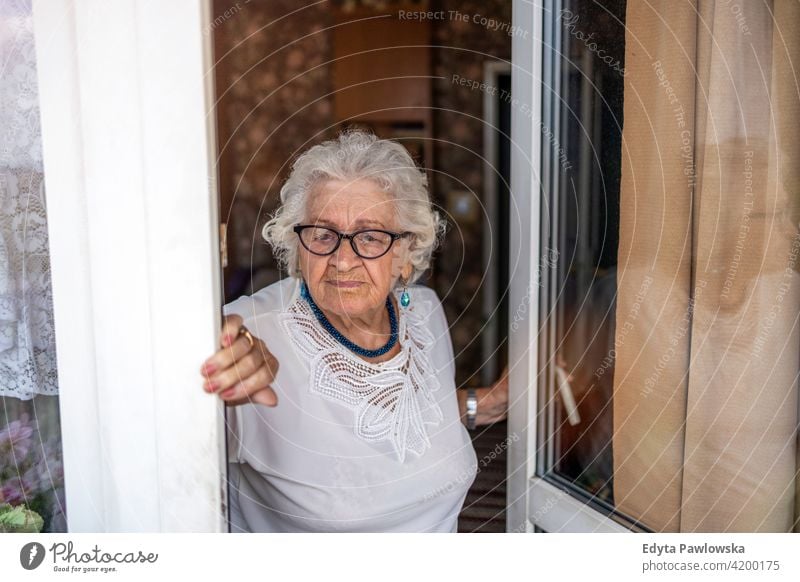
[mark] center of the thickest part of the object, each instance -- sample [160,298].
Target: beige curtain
[708,309]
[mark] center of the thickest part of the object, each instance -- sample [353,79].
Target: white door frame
[129,152]
[526,93]
[532,500]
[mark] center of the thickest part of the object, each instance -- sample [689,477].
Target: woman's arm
[492,402]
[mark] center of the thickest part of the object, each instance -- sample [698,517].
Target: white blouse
[351,446]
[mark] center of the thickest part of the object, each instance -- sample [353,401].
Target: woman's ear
[407,271]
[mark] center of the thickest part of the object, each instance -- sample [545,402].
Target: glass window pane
[671,301]
[582,138]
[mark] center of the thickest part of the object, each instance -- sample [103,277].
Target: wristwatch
[472,408]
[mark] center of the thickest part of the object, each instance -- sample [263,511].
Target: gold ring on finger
[244,331]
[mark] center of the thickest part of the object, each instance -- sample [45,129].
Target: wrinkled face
[343,283]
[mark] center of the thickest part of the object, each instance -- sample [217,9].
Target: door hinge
[223,244]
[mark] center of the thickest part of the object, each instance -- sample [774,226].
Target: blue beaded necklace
[343,340]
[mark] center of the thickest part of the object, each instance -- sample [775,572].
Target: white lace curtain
[27,339]
[31,471]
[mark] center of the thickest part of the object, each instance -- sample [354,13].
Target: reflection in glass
[582,137]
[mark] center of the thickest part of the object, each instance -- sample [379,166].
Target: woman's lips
[345,284]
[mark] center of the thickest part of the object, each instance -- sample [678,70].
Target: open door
[127,127]
[546,212]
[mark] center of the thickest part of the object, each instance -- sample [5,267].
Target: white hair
[357,155]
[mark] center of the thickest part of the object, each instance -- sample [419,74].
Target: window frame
[536,501]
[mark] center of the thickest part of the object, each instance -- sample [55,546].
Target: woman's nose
[344,258]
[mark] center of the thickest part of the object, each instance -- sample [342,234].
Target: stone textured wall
[458,128]
[273,87]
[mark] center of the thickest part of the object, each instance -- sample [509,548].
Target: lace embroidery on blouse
[390,400]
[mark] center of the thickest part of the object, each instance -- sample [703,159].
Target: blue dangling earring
[405,298]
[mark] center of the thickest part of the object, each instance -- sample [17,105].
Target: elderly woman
[343,410]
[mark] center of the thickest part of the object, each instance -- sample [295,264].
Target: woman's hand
[239,372]
[492,401]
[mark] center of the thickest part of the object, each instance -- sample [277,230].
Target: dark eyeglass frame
[299,228]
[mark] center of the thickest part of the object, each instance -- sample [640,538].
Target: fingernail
[228,392]
[211,386]
[226,340]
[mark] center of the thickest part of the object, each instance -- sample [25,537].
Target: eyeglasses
[367,244]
